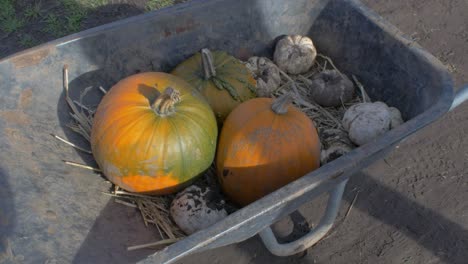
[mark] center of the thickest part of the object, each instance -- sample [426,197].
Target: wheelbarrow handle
[460,96]
[314,234]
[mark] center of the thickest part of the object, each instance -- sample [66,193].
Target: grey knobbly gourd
[266,73]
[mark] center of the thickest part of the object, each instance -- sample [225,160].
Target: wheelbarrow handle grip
[314,234]
[460,96]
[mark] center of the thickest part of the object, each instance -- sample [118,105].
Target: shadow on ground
[445,239]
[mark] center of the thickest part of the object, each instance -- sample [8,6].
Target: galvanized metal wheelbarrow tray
[49,212]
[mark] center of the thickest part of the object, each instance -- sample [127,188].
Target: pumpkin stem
[164,104]
[207,64]
[280,105]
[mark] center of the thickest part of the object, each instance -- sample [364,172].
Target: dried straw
[158,243]
[72,144]
[76,164]
[301,85]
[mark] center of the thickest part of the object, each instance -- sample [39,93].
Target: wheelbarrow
[49,212]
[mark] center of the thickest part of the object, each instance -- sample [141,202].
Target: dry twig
[158,243]
[81,165]
[365,97]
[72,144]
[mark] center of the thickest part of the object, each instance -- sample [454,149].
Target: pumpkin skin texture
[260,151]
[227,84]
[153,151]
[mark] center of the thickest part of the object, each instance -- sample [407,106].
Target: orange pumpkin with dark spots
[152,133]
[264,145]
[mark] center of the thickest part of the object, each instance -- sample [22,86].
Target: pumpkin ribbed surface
[260,151]
[229,84]
[146,152]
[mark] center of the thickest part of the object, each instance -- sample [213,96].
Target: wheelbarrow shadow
[117,226]
[430,229]
[444,238]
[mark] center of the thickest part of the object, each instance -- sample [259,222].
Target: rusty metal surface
[50,212]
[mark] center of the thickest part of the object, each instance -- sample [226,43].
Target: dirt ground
[411,207]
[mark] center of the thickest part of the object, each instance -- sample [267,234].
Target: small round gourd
[334,151]
[396,118]
[330,88]
[266,73]
[265,144]
[335,143]
[295,54]
[331,136]
[222,79]
[196,208]
[152,133]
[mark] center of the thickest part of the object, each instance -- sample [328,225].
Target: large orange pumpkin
[264,145]
[152,133]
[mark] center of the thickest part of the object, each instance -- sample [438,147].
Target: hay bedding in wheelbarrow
[155,209]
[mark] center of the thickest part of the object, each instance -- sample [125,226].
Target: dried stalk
[351,206]
[310,105]
[81,165]
[102,90]
[71,144]
[365,97]
[331,63]
[125,203]
[141,211]
[83,107]
[158,243]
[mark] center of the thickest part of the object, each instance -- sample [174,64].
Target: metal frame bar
[314,235]
[460,96]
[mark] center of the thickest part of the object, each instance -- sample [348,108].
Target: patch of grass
[76,14]
[54,26]
[71,5]
[6,9]
[33,11]
[74,22]
[94,3]
[9,22]
[69,22]
[158,4]
[28,41]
